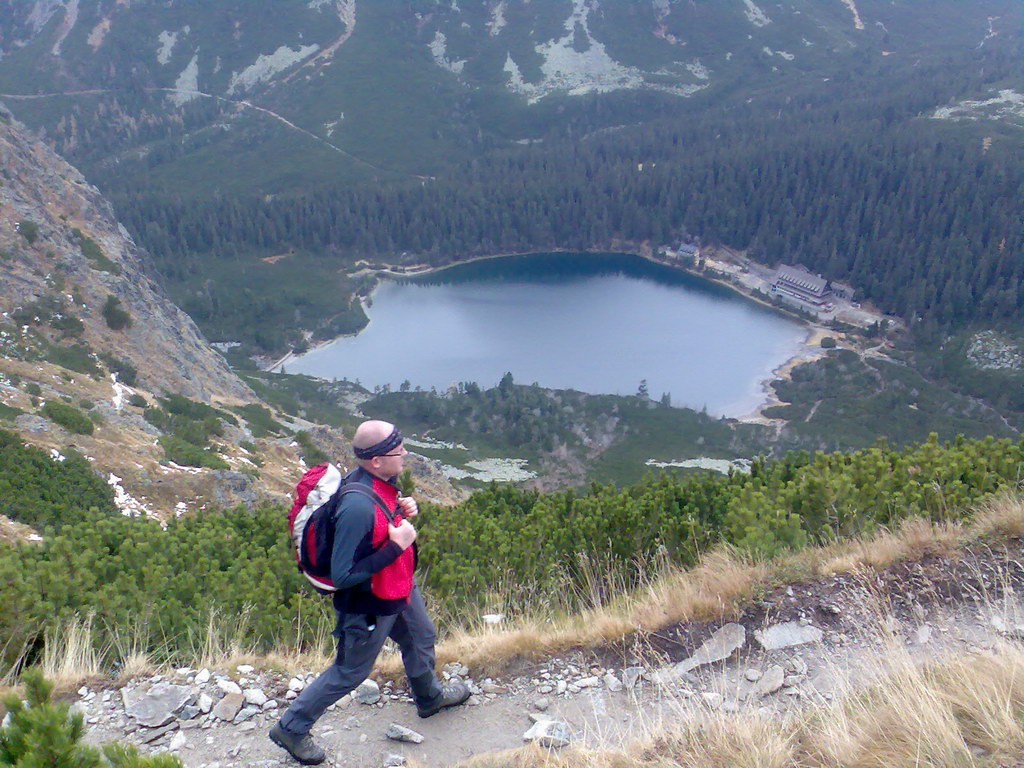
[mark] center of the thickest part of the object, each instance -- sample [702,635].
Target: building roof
[800,277]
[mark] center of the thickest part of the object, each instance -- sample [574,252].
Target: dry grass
[716,589]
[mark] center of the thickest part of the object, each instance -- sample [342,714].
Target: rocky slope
[62,244]
[84,329]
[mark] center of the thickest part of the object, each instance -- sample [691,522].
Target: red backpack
[311,521]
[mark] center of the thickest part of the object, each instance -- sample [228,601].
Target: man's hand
[402,534]
[408,506]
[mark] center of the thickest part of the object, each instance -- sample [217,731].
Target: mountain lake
[598,323]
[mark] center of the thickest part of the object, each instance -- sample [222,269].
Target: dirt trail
[923,609]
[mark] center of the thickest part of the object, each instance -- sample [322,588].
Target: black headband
[386,445]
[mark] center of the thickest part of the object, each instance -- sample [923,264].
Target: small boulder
[155,705]
[550,734]
[368,692]
[787,635]
[720,646]
[397,732]
[229,706]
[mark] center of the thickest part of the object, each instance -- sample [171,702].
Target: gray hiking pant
[360,640]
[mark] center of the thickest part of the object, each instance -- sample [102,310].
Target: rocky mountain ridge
[90,347]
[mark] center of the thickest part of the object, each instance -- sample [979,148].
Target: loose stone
[398,732]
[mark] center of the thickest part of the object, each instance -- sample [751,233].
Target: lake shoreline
[807,351]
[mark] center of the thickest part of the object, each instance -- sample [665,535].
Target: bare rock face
[60,240]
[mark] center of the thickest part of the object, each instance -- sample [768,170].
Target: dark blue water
[596,323]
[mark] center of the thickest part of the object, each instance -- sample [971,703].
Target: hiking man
[372,565]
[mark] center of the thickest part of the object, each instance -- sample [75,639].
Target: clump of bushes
[311,453]
[29,230]
[189,454]
[67,416]
[94,254]
[126,372]
[188,427]
[117,318]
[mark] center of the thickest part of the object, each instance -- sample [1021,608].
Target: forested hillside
[840,135]
[853,178]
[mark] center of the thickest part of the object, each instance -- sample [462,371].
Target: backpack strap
[364,490]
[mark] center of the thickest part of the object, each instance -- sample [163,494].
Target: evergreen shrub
[67,416]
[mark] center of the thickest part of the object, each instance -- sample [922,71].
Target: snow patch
[268,65]
[124,501]
[70,19]
[186,87]
[439,51]
[568,70]
[167,41]
[487,470]
[329,128]
[42,12]
[857,23]
[98,34]
[698,70]
[1008,105]
[497,22]
[119,392]
[703,462]
[429,442]
[755,15]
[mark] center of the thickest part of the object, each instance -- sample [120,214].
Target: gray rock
[720,646]
[155,705]
[202,677]
[924,634]
[245,713]
[205,703]
[787,635]
[550,734]
[542,703]
[255,696]
[152,734]
[228,707]
[31,423]
[712,699]
[177,742]
[229,686]
[368,692]
[296,685]
[611,682]
[188,712]
[770,682]
[631,676]
[397,732]
[753,675]
[394,761]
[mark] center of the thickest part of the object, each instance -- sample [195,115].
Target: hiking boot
[451,695]
[301,747]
